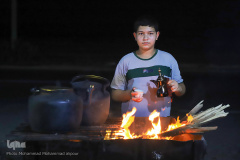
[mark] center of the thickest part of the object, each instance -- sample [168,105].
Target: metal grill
[23,132]
[88,142]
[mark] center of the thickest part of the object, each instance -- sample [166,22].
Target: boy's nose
[145,36]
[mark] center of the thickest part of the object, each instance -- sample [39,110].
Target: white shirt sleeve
[119,79]
[176,75]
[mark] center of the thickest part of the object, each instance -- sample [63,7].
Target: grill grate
[24,132]
[93,146]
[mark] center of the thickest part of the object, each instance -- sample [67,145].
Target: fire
[175,125]
[128,119]
[189,118]
[152,133]
[178,124]
[156,126]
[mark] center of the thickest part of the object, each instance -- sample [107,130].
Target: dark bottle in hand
[161,84]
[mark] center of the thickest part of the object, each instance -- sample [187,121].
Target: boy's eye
[150,33]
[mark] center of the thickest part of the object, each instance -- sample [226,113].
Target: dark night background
[57,40]
[194,32]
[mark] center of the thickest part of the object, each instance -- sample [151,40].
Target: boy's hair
[146,20]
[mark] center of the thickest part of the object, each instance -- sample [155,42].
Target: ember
[190,124]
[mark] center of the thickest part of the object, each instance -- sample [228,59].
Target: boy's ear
[158,33]
[134,34]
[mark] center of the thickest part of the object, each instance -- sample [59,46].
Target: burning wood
[196,120]
[191,123]
[194,110]
[210,114]
[186,129]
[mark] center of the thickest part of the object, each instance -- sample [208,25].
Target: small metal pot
[54,109]
[96,99]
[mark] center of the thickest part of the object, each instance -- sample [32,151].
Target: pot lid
[54,88]
[93,78]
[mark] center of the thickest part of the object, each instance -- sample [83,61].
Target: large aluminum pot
[96,99]
[54,110]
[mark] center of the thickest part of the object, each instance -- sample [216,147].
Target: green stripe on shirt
[148,71]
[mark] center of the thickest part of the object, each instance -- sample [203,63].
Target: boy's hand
[174,85]
[135,95]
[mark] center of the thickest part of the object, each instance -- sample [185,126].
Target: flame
[108,134]
[177,124]
[189,118]
[128,119]
[156,126]
[152,133]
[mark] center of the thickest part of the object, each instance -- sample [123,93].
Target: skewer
[187,129]
[199,119]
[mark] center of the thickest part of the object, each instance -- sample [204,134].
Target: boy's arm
[178,88]
[121,95]
[181,89]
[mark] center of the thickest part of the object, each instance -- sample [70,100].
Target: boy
[136,69]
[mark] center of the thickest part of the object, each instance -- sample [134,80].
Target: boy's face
[146,37]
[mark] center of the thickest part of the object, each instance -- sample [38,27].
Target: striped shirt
[133,71]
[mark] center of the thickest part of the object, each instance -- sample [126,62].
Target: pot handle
[89,93]
[35,91]
[76,78]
